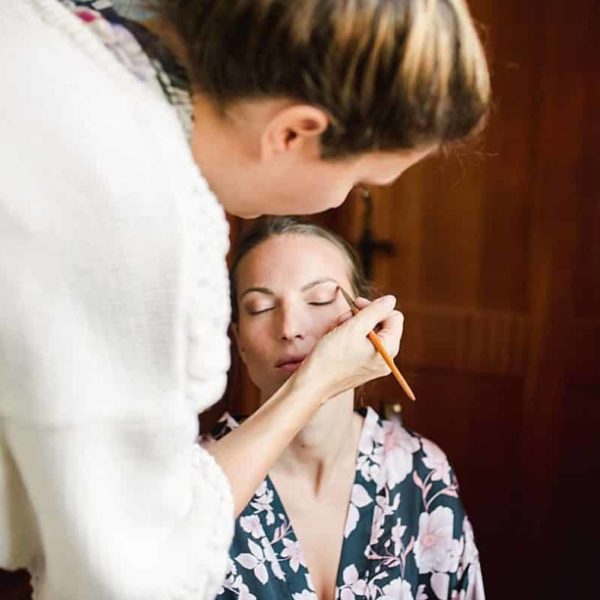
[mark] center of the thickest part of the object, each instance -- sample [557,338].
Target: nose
[291,324]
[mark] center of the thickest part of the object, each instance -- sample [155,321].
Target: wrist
[311,384]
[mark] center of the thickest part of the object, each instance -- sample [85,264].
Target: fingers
[383,319]
[350,357]
[390,332]
[373,313]
[362,302]
[341,319]
[348,314]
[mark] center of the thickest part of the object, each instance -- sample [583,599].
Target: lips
[290,363]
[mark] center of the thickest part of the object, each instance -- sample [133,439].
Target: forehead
[292,259]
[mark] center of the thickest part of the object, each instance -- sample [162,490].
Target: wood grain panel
[465,339]
[587,265]
[558,171]
[509,154]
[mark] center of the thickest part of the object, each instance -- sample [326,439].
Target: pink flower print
[369,470]
[293,552]
[234,583]
[365,445]
[372,434]
[360,497]
[305,595]
[261,490]
[396,534]
[440,582]
[377,528]
[262,502]
[244,593]
[399,447]
[254,561]
[377,432]
[351,520]
[252,526]
[397,589]
[272,559]
[353,586]
[382,509]
[436,460]
[475,589]
[470,554]
[372,585]
[421,595]
[436,549]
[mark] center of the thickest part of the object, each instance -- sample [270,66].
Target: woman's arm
[342,360]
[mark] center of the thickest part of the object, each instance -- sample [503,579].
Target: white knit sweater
[113,314]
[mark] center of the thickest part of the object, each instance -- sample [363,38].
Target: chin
[319,209]
[236,204]
[241,209]
[325,204]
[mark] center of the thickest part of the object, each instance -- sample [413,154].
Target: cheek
[325,320]
[253,350]
[252,343]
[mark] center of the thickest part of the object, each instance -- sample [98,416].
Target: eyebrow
[304,288]
[261,290]
[312,284]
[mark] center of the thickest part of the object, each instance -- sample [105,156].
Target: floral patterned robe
[407,536]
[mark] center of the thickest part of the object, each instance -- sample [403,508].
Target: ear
[236,336]
[293,129]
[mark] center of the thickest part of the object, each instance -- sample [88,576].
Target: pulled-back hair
[390,74]
[267,227]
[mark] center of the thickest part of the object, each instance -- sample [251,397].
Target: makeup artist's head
[284,281]
[304,99]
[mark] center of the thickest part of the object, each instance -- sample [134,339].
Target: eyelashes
[253,313]
[322,303]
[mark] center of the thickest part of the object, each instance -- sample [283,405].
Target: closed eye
[260,311]
[322,303]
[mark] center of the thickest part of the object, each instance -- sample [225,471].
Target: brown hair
[390,74]
[267,227]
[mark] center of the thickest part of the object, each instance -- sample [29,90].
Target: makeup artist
[114,295]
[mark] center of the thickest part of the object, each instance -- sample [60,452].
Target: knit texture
[113,313]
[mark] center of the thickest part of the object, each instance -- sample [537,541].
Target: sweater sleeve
[121,511]
[103,494]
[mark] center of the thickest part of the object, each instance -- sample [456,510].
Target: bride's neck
[328,440]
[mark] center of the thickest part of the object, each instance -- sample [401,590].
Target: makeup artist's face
[287,299]
[264,157]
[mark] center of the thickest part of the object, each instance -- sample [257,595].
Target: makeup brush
[380,348]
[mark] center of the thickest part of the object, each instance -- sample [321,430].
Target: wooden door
[496,266]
